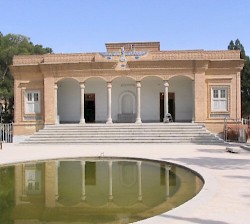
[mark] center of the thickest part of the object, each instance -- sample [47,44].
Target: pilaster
[200,97]
[49,100]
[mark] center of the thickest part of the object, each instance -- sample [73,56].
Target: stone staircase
[124,133]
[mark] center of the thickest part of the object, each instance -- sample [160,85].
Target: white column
[83,163]
[82,119]
[56,112]
[166,85]
[109,120]
[138,98]
[139,181]
[167,169]
[110,181]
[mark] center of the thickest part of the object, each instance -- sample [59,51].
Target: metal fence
[236,129]
[6,133]
[246,121]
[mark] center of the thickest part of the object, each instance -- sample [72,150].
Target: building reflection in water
[99,190]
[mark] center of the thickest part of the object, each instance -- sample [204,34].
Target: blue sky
[71,26]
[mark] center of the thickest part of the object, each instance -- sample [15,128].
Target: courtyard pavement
[224,199]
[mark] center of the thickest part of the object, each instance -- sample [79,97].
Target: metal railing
[235,129]
[246,121]
[6,133]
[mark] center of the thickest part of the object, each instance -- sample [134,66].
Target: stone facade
[127,81]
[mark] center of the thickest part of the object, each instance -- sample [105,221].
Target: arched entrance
[95,100]
[181,87]
[68,100]
[151,88]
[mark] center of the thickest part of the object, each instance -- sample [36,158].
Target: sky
[75,26]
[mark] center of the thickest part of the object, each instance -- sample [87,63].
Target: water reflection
[92,190]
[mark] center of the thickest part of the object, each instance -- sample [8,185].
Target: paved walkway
[224,199]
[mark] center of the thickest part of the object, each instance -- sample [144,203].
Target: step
[123,133]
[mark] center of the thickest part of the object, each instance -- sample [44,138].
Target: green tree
[10,45]
[245,77]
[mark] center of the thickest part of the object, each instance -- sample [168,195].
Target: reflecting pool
[92,190]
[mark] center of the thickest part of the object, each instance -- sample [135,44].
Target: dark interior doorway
[171,105]
[89,107]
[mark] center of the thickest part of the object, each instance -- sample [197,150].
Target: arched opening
[95,103]
[182,88]
[151,88]
[68,99]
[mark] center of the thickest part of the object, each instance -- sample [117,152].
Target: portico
[122,99]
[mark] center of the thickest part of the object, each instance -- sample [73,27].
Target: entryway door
[171,105]
[89,107]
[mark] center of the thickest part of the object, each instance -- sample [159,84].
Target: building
[131,82]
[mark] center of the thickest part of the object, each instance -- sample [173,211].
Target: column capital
[166,84]
[167,167]
[138,84]
[109,84]
[82,85]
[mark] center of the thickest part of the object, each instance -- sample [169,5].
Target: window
[33,180]
[32,105]
[219,99]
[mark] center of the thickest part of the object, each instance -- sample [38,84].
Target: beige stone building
[130,82]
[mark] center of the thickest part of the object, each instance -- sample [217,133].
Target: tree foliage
[10,45]
[245,77]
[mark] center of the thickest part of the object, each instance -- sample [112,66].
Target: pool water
[93,190]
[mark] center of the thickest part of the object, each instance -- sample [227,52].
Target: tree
[245,77]
[10,45]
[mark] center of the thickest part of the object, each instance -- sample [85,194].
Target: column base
[138,121]
[166,120]
[82,121]
[109,121]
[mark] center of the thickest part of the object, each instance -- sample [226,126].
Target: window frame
[220,96]
[32,102]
